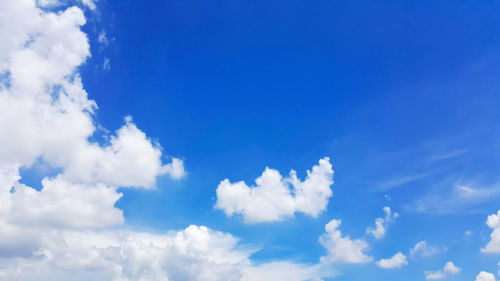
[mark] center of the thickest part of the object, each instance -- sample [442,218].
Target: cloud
[103,39]
[70,228]
[195,253]
[400,181]
[485,276]
[273,200]
[285,271]
[106,65]
[46,111]
[423,249]
[398,260]
[462,197]
[90,4]
[434,275]
[449,268]
[493,222]
[381,224]
[341,249]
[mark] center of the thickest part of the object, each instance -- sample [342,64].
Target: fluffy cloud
[272,199]
[381,224]
[46,111]
[398,260]
[485,276]
[341,249]
[449,268]
[423,249]
[196,253]
[493,222]
[70,229]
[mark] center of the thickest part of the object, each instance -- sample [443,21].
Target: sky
[249,140]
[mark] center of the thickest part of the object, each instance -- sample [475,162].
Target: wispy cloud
[460,198]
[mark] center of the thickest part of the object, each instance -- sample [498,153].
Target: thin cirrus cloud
[460,197]
[272,199]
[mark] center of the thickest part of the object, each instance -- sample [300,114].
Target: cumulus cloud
[449,268]
[485,276]
[341,249]
[272,199]
[381,224]
[46,111]
[398,260]
[493,222]
[70,228]
[423,249]
[195,253]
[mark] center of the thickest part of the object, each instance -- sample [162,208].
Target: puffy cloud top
[341,249]
[271,199]
[398,260]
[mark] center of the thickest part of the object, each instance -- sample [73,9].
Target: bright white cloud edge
[275,197]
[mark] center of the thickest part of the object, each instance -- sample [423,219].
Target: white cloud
[423,249]
[90,4]
[398,260]
[103,39]
[493,222]
[273,200]
[461,197]
[449,268]
[434,275]
[285,271]
[196,253]
[106,65]
[485,276]
[70,229]
[381,224]
[61,204]
[46,111]
[341,249]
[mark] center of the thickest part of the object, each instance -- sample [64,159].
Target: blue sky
[402,96]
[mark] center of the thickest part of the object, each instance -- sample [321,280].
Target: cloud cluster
[127,256]
[69,228]
[449,268]
[272,199]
